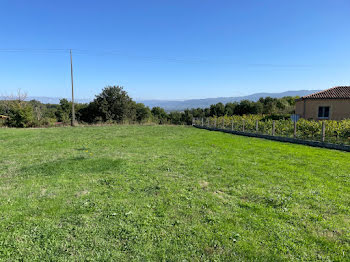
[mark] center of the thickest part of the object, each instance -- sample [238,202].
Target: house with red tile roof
[332,104]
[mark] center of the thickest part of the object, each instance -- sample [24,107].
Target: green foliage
[273,108]
[20,114]
[28,114]
[113,104]
[143,113]
[160,115]
[175,118]
[64,111]
[186,117]
[335,131]
[230,109]
[217,110]
[90,113]
[246,107]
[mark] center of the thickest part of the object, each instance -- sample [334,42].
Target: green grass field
[169,193]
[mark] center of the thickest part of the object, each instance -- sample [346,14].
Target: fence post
[273,127]
[257,126]
[232,124]
[202,121]
[295,129]
[323,131]
[208,122]
[215,123]
[243,125]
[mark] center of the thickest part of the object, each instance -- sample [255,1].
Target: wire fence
[335,132]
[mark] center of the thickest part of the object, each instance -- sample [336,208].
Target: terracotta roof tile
[338,92]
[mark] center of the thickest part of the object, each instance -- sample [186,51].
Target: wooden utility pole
[71,75]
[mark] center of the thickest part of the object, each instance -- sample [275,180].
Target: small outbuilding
[331,104]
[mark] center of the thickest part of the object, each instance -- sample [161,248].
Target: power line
[186,61]
[145,58]
[32,49]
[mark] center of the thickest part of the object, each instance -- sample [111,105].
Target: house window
[323,112]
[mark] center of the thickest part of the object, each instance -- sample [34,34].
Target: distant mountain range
[172,105]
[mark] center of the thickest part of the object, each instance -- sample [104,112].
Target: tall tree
[113,104]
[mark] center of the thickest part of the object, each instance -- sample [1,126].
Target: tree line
[114,105]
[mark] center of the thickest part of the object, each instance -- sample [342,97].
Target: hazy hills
[202,103]
[171,105]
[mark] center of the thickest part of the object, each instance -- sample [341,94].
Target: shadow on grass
[77,165]
[82,149]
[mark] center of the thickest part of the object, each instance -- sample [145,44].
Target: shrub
[20,115]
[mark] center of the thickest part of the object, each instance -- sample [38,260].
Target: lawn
[169,193]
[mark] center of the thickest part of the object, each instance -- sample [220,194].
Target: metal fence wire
[335,132]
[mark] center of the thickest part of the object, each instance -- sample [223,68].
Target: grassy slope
[163,192]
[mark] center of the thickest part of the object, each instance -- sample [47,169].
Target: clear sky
[173,49]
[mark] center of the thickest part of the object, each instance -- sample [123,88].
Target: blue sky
[174,49]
